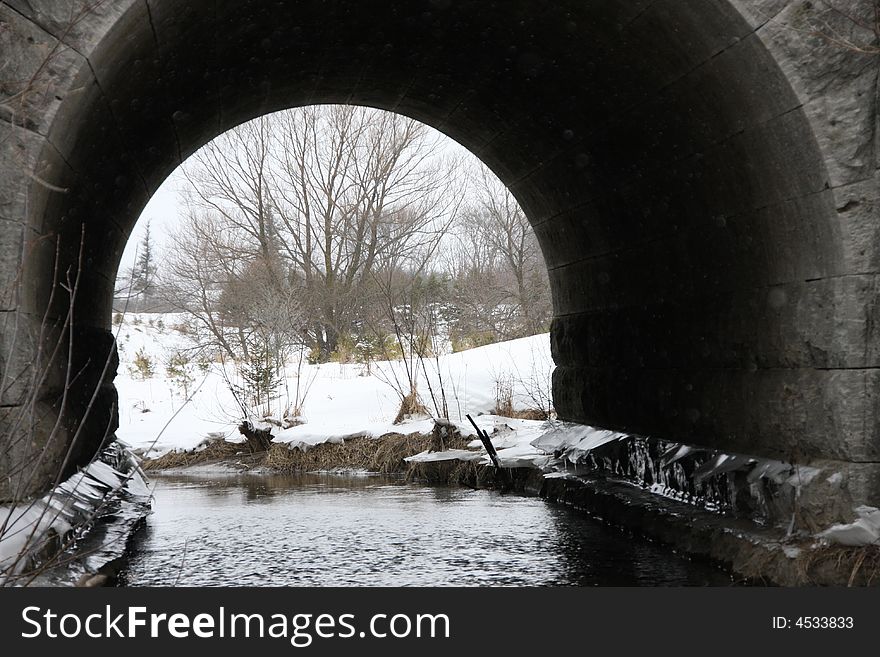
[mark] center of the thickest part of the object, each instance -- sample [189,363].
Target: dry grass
[253,450]
[219,450]
[504,397]
[862,563]
[506,409]
[857,566]
[384,455]
[530,414]
[410,406]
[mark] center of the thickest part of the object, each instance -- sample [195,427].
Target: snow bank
[510,437]
[342,402]
[448,455]
[863,531]
[574,441]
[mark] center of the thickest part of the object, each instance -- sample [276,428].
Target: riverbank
[80,532]
[752,552]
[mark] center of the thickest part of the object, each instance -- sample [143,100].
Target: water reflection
[608,556]
[326,530]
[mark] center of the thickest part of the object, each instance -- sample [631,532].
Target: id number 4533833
[813,623]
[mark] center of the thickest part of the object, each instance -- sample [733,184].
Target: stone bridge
[702,176]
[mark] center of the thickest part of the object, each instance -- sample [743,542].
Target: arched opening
[326,273]
[660,153]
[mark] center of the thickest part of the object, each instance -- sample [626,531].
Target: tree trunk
[258,440]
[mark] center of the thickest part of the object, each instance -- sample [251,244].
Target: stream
[344,530]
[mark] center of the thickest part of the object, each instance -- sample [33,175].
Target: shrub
[180,370]
[462,342]
[376,347]
[391,348]
[314,356]
[260,376]
[142,365]
[504,396]
[345,350]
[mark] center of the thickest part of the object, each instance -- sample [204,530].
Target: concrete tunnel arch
[702,283]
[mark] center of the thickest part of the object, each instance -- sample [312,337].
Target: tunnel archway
[701,285]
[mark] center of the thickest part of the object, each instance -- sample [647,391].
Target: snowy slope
[341,400]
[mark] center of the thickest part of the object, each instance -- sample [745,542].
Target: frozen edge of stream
[78,529]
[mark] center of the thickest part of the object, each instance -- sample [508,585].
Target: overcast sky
[164,211]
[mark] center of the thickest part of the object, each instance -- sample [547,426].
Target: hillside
[342,399]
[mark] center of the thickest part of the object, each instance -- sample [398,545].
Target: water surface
[329,530]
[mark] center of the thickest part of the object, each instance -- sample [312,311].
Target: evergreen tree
[143,274]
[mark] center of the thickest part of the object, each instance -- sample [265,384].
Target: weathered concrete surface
[703,178]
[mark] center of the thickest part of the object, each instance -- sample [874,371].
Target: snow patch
[803,476]
[448,455]
[863,531]
[27,528]
[574,441]
[342,403]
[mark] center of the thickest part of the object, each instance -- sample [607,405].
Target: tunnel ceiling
[672,178]
[647,128]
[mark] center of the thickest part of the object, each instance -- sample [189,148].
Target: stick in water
[484,437]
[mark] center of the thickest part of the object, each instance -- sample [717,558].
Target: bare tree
[362,190]
[232,178]
[502,287]
[265,311]
[206,254]
[243,305]
[338,191]
[406,334]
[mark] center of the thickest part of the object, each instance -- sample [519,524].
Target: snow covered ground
[342,400]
